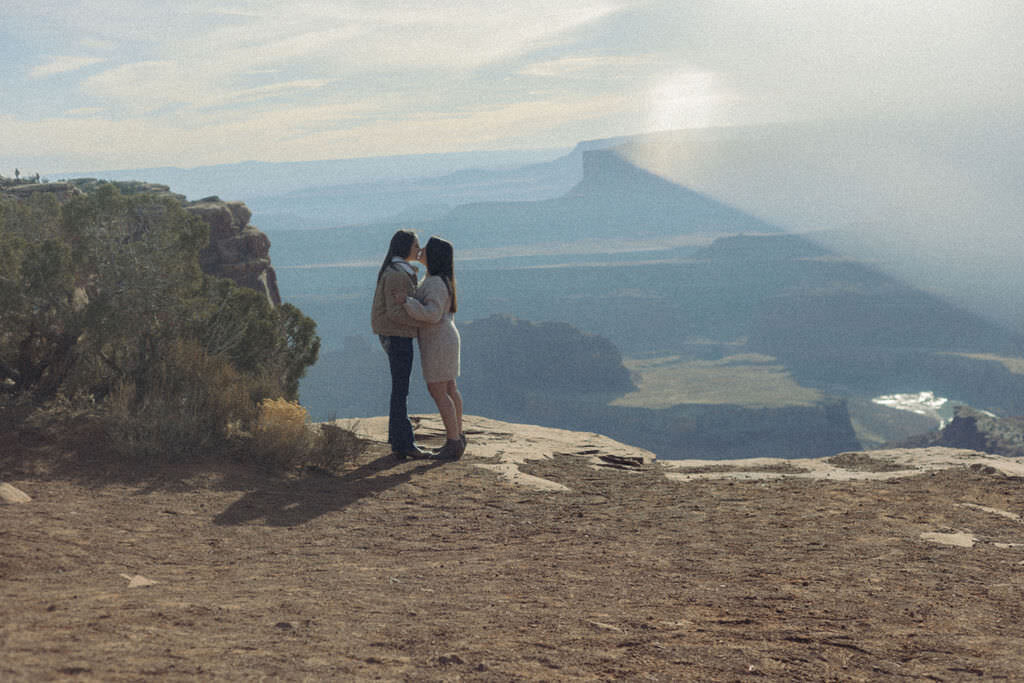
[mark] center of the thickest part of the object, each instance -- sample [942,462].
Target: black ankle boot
[451,450]
[413,451]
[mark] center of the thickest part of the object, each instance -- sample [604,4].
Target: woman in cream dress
[434,304]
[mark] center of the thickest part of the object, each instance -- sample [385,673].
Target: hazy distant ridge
[251,180]
[415,199]
[613,200]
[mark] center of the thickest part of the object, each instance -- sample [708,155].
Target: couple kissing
[405,309]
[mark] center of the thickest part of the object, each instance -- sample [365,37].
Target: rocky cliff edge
[505,448]
[237,250]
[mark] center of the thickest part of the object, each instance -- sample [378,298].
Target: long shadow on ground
[80,453]
[290,503]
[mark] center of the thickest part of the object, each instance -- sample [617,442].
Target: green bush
[274,343]
[192,404]
[102,296]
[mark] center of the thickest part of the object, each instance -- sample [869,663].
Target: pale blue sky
[902,120]
[104,84]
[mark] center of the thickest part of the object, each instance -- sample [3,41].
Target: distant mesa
[758,248]
[613,199]
[518,353]
[633,198]
[509,367]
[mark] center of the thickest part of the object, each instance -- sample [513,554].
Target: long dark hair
[441,262]
[401,245]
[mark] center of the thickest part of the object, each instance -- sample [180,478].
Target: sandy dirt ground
[611,570]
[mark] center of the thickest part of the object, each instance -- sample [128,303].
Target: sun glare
[685,99]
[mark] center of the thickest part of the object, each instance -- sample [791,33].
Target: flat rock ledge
[503,447]
[861,465]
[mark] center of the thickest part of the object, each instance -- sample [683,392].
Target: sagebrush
[102,296]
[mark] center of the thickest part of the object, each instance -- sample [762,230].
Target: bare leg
[456,397]
[445,406]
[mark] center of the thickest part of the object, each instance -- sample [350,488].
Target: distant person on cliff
[433,306]
[396,280]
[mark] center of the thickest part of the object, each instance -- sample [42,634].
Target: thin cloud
[585,66]
[98,45]
[418,35]
[482,127]
[145,86]
[63,64]
[274,90]
[84,111]
[257,56]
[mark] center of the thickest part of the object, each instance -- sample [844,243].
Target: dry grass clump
[862,462]
[284,437]
[774,468]
[281,434]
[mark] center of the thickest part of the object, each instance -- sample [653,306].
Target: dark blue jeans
[400,356]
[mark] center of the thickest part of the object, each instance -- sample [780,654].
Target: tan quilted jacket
[389,318]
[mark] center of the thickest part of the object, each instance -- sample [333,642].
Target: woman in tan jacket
[397,279]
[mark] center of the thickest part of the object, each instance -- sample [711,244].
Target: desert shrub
[102,297]
[187,405]
[276,344]
[101,277]
[336,447]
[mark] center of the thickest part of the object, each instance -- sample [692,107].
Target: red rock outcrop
[237,250]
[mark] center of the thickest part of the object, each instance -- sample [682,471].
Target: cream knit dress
[439,339]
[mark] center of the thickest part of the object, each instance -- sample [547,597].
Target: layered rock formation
[509,448]
[552,375]
[716,431]
[979,431]
[504,447]
[237,250]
